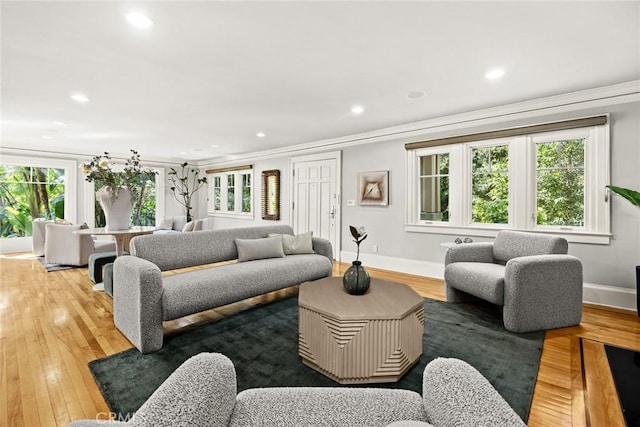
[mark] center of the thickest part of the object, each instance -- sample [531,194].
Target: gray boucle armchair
[202,392]
[530,275]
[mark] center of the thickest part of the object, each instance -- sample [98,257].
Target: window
[34,188]
[434,187]
[144,212]
[149,210]
[550,181]
[490,184]
[217,193]
[246,192]
[231,192]
[560,183]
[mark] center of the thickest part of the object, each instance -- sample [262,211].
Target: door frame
[331,155]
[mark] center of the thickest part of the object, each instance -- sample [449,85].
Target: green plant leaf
[354,232]
[632,196]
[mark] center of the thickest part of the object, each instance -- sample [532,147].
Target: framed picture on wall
[373,188]
[271,195]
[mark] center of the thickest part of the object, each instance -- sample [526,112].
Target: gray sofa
[530,275]
[143,298]
[203,392]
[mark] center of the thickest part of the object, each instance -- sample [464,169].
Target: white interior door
[316,199]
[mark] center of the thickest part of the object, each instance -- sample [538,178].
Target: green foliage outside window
[231,193]
[560,183]
[246,193]
[27,193]
[490,184]
[217,193]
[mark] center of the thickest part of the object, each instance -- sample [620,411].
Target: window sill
[571,236]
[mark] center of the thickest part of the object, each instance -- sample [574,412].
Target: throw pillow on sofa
[188,227]
[252,249]
[298,244]
[166,224]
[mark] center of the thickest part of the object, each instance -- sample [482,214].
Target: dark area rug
[55,267]
[262,343]
[625,368]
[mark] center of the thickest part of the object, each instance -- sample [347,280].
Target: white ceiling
[215,73]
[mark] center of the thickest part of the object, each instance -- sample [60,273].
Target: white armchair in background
[38,235]
[63,246]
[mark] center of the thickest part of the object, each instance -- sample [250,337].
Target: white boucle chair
[202,392]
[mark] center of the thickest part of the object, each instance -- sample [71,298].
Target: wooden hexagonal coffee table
[371,338]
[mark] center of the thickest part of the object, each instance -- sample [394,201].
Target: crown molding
[30,152]
[574,101]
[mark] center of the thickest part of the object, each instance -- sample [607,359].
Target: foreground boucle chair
[202,392]
[530,275]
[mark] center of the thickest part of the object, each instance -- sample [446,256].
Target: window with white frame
[33,188]
[551,181]
[231,192]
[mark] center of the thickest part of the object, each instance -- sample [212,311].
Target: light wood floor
[53,324]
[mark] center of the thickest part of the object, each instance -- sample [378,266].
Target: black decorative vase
[356,280]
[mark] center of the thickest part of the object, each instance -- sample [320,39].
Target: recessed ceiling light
[357,109]
[184,153]
[261,134]
[59,123]
[416,94]
[80,98]
[214,146]
[139,20]
[495,74]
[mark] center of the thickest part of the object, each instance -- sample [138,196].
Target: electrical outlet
[375,248]
[351,202]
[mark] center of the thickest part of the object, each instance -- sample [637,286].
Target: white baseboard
[15,244]
[609,296]
[401,265]
[593,293]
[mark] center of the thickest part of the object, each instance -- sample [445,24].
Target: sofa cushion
[194,291]
[252,249]
[325,406]
[165,224]
[188,227]
[178,222]
[483,280]
[298,244]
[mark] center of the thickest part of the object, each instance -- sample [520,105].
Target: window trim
[238,186]
[521,157]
